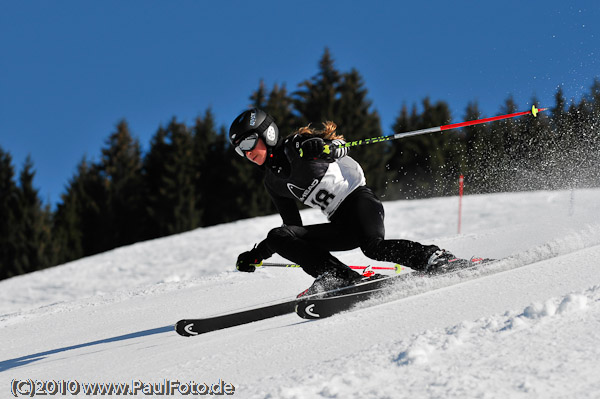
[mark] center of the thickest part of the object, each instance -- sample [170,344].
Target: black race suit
[335,184]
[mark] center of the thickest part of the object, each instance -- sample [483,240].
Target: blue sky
[71,70]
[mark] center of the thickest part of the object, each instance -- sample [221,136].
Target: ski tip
[398,268]
[305,309]
[185,328]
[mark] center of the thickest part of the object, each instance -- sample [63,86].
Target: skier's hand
[312,147]
[247,260]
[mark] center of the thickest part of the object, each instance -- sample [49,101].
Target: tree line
[190,177]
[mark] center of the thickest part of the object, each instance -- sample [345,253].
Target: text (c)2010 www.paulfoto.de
[31,388]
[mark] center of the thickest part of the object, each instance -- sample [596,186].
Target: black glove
[247,260]
[312,147]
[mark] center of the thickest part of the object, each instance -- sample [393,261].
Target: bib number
[322,199]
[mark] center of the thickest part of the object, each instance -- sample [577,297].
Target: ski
[329,305]
[192,327]
[197,326]
[348,297]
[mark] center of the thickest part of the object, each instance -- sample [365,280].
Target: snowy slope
[528,326]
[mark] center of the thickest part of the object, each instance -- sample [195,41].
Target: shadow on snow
[21,361]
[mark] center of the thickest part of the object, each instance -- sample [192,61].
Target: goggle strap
[260,129]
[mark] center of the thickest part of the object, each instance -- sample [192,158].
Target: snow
[527,326]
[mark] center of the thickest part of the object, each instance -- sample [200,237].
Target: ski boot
[442,261]
[331,280]
[339,278]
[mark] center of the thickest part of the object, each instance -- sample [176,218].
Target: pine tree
[81,227]
[67,240]
[214,195]
[121,165]
[317,101]
[281,107]
[91,187]
[170,176]
[342,98]
[32,225]
[259,97]
[8,206]
[357,121]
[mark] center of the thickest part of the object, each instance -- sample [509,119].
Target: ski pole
[534,111]
[396,268]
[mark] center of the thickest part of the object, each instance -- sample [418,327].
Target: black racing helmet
[253,121]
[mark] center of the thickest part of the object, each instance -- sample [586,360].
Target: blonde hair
[328,132]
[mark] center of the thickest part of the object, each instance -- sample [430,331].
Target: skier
[310,167]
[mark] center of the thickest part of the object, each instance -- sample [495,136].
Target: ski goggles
[246,144]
